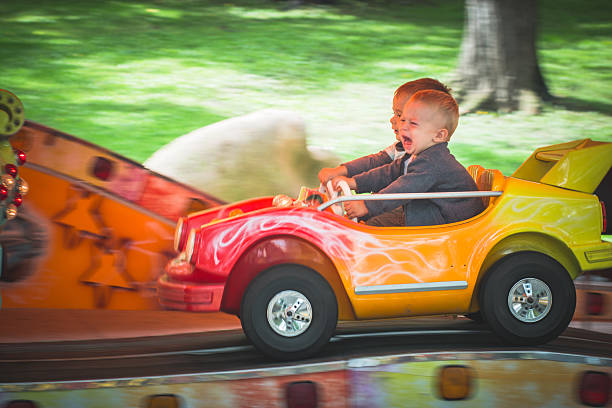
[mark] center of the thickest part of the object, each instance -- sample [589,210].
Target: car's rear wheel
[289,312]
[528,298]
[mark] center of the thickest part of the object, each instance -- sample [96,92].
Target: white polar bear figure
[262,153]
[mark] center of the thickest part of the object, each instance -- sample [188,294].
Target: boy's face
[420,128]
[399,101]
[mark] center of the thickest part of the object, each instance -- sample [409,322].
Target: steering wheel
[337,208]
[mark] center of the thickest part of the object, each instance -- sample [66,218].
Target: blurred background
[254,80]
[133,75]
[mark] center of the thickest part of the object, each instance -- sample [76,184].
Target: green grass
[133,75]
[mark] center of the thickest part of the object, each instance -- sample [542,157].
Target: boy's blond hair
[421,84]
[442,103]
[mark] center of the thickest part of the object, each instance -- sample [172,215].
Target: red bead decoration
[11,169]
[21,157]
[18,200]
[3,193]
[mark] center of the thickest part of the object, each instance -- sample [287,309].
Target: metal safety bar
[410,196]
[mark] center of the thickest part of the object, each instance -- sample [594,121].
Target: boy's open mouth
[406,140]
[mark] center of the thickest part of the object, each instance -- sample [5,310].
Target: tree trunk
[498,64]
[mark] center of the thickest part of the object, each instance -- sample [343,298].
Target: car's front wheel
[289,312]
[528,298]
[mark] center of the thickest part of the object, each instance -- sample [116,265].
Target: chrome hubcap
[530,300]
[289,313]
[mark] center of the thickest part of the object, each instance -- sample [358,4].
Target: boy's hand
[355,209]
[328,173]
[349,180]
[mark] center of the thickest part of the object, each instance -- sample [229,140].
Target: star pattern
[81,213]
[82,223]
[106,258]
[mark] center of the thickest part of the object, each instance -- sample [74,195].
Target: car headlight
[190,246]
[178,234]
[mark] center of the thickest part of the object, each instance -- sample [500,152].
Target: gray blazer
[433,170]
[372,161]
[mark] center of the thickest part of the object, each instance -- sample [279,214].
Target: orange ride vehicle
[291,268]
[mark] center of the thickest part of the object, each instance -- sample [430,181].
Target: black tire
[285,344]
[475,317]
[545,319]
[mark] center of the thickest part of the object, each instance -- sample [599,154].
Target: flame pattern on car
[350,249]
[366,256]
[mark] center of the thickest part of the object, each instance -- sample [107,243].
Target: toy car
[290,269]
